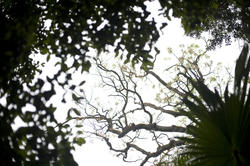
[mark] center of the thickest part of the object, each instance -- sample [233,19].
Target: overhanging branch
[151,127]
[174,113]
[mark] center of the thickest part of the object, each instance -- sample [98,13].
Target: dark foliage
[76,26]
[223,19]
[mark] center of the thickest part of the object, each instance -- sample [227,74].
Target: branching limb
[135,118]
[161,149]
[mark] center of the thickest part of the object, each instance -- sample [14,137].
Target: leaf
[79,141]
[85,66]
[69,117]
[72,87]
[52,109]
[226,96]
[76,111]
[163,25]
[69,76]
[48,58]
[215,5]
[74,97]
[64,67]
[81,83]
[44,51]
[207,95]
[78,125]
[157,50]
[240,67]
[126,61]
[79,132]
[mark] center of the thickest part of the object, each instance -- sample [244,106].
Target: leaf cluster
[222,19]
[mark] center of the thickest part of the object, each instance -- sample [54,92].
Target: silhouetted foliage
[66,29]
[220,128]
[222,19]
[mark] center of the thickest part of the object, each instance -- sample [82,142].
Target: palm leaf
[220,130]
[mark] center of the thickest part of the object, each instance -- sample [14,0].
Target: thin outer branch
[140,98]
[174,113]
[165,84]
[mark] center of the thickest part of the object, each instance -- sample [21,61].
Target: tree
[127,116]
[70,28]
[66,29]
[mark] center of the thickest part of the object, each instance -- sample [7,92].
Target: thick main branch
[151,127]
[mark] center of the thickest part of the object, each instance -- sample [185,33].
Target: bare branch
[174,113]
[165,84]
[151,127]
[126,120]
[161,149]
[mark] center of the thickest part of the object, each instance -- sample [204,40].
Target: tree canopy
[131,115]
[65,29]
[222,19]
[70,29]
[73,27]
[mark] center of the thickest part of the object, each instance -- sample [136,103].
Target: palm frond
[220,131]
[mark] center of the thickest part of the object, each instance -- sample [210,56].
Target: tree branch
[165,84]
[161,149]
[174,113]
[151,127]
